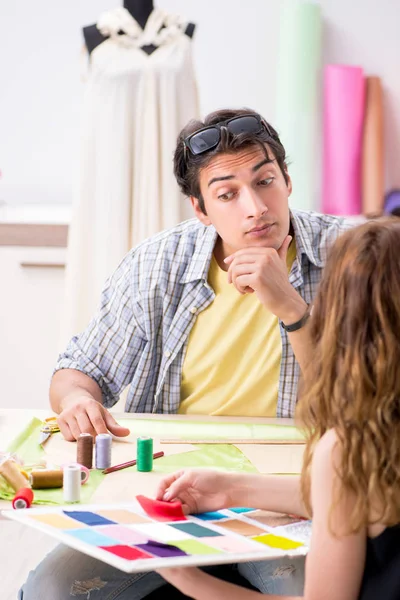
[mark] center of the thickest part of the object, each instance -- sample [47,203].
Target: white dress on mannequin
[135,105]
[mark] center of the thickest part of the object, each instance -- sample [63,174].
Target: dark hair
[187,166]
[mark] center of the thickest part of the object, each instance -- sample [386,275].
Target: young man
[209,317]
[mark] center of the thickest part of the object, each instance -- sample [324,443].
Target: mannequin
[140,11]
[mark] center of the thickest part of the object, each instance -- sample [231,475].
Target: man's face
[246,199]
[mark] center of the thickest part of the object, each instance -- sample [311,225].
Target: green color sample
[195,547]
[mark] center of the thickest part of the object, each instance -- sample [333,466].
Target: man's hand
[86,415]
[264,271]
[198,491]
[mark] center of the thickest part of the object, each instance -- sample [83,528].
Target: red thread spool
[23,498]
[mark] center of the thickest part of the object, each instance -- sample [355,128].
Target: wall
[235,55]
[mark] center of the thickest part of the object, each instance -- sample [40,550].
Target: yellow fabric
[234,354]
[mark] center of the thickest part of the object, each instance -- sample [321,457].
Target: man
[209,317]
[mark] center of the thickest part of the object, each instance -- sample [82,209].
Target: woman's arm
[207,490]
[335,563]
[278,493]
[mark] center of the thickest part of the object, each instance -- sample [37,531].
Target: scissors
[49,426]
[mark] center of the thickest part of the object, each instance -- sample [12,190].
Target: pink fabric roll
[343,115]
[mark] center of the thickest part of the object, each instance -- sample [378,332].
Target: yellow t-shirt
[234,354]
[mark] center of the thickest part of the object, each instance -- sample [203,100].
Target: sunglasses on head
[207,138]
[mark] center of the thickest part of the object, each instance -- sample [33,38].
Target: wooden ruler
[235,441]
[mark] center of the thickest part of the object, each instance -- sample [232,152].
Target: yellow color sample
[277,541]
[58,521]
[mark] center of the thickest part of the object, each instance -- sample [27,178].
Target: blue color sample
[195,529]
[89,518]
[89,536]
[211,516]
[241,509]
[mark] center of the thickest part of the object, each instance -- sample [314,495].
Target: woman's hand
[198,490]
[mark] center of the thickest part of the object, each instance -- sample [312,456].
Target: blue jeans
[66,574]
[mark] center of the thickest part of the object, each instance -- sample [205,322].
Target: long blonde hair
[352,383]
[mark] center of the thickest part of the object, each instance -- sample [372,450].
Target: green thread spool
[144,454]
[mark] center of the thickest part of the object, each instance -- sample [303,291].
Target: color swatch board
[124,536]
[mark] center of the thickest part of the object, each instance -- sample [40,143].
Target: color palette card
[126,537]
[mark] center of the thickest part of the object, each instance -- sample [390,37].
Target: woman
[350,408]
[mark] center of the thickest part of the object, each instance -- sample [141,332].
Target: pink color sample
[231,544]
[343,119]
[122,534]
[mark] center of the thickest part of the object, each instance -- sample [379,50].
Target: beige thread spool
[11,473]
[45,478]
[84,451]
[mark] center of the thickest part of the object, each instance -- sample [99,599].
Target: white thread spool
[72,483]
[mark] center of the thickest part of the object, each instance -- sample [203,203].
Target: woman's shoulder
[327,445]
[326,456]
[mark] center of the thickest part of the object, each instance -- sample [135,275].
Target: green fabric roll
[206,430]
[297,104]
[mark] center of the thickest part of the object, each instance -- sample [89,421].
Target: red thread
[23,498]
[162,511]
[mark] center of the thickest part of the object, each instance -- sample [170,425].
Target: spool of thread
[46,478]
[84,451]
[72,483]
[12,474]
[144,454]
[85,473]
[23,498]
[103,451]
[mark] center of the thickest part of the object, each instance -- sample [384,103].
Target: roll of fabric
[343,120]
[392,203]
[297,106]
[373,187]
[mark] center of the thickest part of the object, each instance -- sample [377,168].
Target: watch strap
[298,324]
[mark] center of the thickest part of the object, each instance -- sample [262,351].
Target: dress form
[140,11]
[134,106]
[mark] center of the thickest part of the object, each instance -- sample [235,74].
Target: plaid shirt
[149,305]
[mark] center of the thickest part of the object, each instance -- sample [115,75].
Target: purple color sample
[160,549]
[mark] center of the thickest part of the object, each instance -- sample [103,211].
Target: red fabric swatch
[160,510]
[127,552]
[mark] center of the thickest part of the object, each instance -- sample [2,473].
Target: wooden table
[125,485]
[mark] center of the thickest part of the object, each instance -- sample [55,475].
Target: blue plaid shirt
[149,305]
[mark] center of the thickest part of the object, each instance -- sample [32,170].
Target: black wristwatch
[300,323]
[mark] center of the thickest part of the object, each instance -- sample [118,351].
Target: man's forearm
[70,385]
[278,493]
[299,340]
[301,343]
